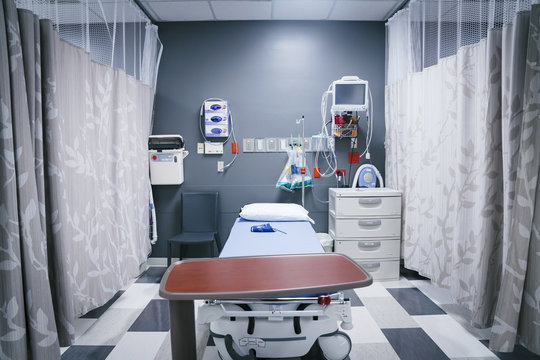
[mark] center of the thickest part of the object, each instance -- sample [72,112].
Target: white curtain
[96,137]
[454,108]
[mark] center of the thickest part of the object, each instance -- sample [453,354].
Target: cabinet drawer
[367,206]
[368,248]
[368,227]
[380,269]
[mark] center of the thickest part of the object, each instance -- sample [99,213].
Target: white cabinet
[365,224]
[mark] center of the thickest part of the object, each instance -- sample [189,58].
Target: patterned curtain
[27,321]
[455,133]
[74,175]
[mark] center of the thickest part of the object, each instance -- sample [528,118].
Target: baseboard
[158,261]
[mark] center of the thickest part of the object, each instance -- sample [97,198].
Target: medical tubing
[315,193]
[325,136]
[234,139]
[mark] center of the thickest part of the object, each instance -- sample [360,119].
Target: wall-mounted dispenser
[166,154]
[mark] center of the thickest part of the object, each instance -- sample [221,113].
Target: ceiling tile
[362,10]
[301,9]
[180,11]
[242,10]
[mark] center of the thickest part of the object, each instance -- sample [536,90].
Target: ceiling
[227,10]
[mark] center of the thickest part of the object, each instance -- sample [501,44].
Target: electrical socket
[220,166]
[354,143]
[200,148]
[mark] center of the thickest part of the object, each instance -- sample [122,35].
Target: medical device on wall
[366,177]
[216,119]
[351,102]
[166,155]
[350,94]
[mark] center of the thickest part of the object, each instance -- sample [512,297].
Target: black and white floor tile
[408,319]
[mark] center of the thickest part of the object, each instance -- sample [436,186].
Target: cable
[234,139]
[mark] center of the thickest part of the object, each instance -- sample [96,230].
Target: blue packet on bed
[264,228]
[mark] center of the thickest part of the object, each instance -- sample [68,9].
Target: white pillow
[275,212]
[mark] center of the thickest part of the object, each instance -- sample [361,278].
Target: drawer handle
[371,266]
[369,244]
[369,222]
[370,201]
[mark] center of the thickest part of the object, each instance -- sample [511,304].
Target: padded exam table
[265,275]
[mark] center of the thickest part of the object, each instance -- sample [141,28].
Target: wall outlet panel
[319,143]
[249,145]
[272,145]
[220,166]
[213,148]
[200,148]
[260,145]
[307,144]
[283,144]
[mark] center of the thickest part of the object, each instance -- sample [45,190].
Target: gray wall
[271,72]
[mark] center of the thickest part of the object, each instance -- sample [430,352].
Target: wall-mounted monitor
[350,94]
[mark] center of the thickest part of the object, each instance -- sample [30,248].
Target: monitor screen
[350,94]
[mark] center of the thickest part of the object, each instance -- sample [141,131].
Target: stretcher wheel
[336,346]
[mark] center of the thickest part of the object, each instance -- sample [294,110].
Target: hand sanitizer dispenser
[166,154]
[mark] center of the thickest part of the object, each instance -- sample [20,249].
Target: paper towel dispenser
[166,155]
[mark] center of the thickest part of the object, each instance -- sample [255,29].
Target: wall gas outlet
[307,144]
[283,144]
[271,144]
[249,145]
[260,145]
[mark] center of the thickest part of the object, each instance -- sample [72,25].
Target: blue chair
[199,222]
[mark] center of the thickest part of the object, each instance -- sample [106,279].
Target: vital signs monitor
[350,94]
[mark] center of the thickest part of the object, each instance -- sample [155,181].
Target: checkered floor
[405,319]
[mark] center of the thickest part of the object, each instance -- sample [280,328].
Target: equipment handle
[371,266]
[369,201]
[376,222]
[369,244]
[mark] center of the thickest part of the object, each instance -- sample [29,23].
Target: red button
[154,157]
[324,299]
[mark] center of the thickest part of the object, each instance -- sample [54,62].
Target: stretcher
[279,326]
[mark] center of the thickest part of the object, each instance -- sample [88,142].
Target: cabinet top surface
[359,192]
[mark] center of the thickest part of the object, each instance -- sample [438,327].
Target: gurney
[279,326]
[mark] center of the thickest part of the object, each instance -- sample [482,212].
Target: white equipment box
[166,155]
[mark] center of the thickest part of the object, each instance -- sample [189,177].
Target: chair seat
[193,238]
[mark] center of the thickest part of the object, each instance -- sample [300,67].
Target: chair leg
[169,246]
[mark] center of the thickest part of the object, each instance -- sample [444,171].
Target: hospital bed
[269,295]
